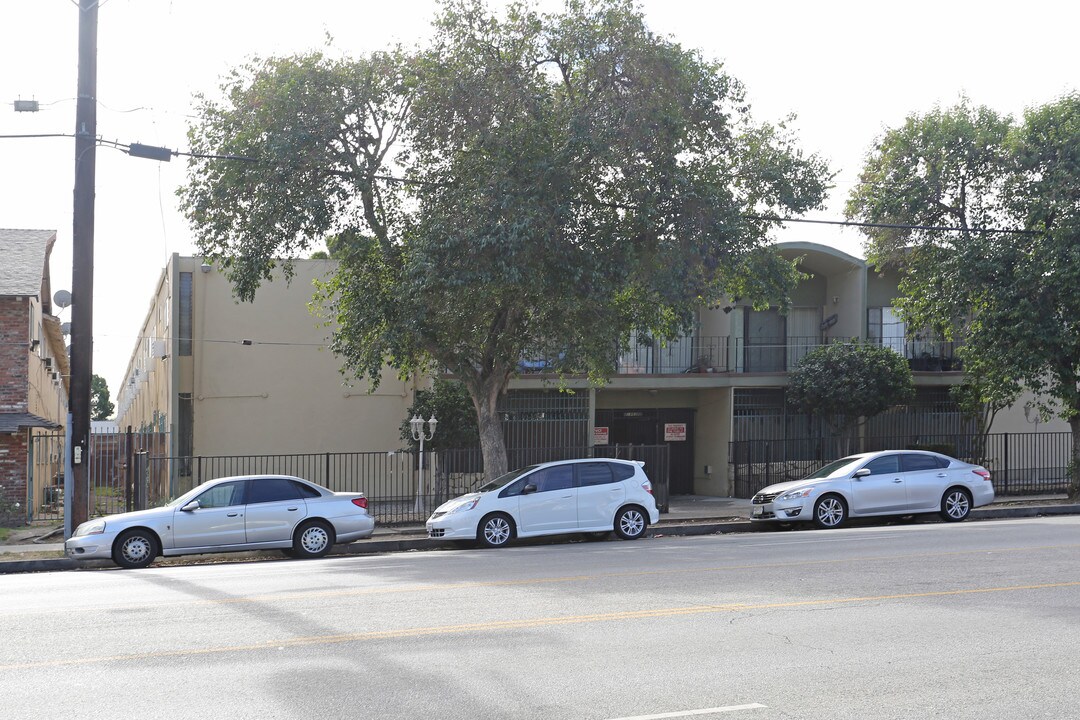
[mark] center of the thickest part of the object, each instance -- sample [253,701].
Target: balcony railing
[720,354]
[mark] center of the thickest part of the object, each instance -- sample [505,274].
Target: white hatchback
[567,496]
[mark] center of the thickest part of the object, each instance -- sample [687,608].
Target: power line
[892,226]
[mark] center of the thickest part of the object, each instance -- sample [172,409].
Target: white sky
[847,69]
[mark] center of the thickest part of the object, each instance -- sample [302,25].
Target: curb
[703,526]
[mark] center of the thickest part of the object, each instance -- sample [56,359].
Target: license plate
[759,511]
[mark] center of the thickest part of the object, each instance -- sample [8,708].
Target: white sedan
[254,512]
[569,496]
[890,482]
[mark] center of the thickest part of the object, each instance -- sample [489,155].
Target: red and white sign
[674,432]
[600,436]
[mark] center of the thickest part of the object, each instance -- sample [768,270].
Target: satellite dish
[65,328]
[829,322]
[62,298]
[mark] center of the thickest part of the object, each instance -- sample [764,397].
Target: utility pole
[82,269]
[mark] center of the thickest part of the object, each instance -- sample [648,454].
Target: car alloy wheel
[495,531]
[829,512]
[956,505]
[630,523]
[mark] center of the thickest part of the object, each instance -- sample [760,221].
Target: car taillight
[984,474]
[647,487]
[360,502]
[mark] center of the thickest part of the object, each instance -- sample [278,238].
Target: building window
[185,422]
[185,314]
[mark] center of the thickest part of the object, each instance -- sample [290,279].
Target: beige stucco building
[227,379]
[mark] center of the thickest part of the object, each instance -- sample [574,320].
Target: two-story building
[34,366]
[232,379]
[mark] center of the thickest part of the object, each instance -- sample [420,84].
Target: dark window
[622,472]
[223,495]
[558,477]
[594,473]
[912,463]
[184,335]
[884,465]
[185,430]
[272,490]
[306,490]
[514,489]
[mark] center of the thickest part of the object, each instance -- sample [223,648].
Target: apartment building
[34,365]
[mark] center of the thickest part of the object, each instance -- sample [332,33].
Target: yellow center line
[526,623]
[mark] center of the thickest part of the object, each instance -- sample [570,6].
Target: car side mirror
[861,473]
[529,488]
[193,505]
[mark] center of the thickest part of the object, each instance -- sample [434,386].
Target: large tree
[1013,298]
[527,185]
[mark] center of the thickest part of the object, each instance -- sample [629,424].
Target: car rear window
[306,490]
[266,490]
[594,473]
[912,463]
[622,472]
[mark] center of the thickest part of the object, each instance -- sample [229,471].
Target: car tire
[312,539]
[495,530]
[955,505]
[830,511]
[134,549]
[631,522]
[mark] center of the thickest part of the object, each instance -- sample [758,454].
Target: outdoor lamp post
[417,426]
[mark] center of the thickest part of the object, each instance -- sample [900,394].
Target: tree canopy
[843,383]
[527,184]
[101,406]
[1012,298]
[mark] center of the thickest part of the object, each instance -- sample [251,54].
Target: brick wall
[14,361]
[14,454]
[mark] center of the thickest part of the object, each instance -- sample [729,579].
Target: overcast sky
[847,69]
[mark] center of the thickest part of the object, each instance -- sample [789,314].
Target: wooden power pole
[82,270]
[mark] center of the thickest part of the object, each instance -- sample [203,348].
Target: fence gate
[112,468]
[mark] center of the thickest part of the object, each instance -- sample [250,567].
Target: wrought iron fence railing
[398,493]
[1020,463]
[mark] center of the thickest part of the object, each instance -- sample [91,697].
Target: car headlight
[466,506]
[94,527]
[796,494]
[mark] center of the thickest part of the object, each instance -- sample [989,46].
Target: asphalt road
[977,620]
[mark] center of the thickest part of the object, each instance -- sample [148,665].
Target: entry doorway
[647,427]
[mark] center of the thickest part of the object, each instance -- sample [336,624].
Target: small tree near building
[845,383]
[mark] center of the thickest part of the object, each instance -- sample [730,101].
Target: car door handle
[567,496]
[942,474]
[293,509]
[233,514]
[898,480]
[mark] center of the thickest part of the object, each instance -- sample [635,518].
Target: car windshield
[832,468]
[504,479]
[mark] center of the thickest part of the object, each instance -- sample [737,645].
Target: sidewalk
[27,551]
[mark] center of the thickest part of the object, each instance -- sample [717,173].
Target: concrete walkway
[687,515]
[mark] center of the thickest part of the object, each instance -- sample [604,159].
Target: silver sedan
[890,482]
[253,512]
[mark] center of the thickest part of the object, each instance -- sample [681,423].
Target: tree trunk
[1074,466]
[485,397]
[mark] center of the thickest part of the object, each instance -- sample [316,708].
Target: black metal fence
[1020,463]
[114,463]
[398,488]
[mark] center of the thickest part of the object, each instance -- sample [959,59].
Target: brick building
[33,361]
